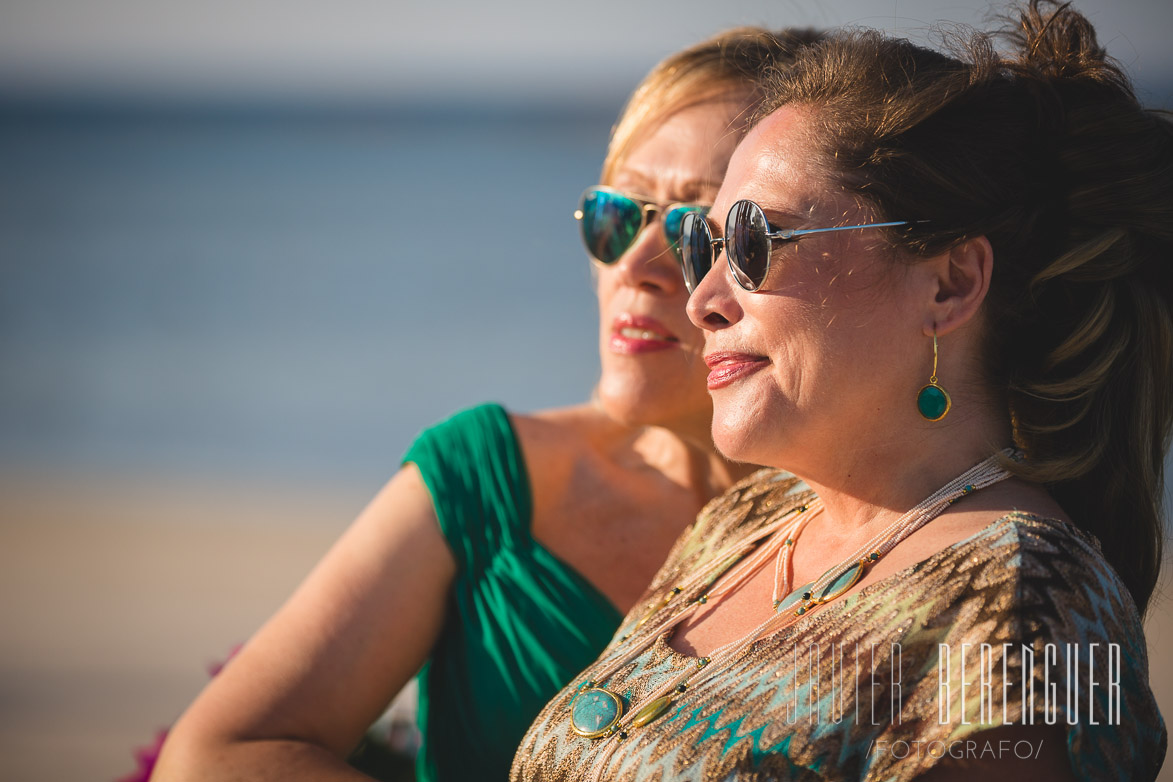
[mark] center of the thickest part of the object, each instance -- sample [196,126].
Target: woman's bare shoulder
[558,441]
[583,422]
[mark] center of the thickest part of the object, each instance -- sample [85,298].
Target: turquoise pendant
[846,580]
[794,598]
[594,712]
[933,402]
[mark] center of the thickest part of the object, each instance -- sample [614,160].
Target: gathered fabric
[519,622]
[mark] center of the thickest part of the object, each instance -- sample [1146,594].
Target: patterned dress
[1024,622]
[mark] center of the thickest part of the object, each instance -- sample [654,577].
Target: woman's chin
[634,405]
[740,436]
[731,445]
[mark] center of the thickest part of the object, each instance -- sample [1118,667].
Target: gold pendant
[594,711]
[797,596]
[651,712]
[845,581]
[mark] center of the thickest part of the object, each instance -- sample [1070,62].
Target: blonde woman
[504,554]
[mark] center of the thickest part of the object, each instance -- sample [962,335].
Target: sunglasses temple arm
[805,231]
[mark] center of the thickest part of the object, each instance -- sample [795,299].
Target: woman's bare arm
[303,690]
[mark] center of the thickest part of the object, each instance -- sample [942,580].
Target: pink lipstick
[634,334]
[726,368]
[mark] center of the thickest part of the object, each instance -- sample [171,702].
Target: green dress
[519,622]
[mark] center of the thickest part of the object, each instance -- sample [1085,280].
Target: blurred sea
[284,292]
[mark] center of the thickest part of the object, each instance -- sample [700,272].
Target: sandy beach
[116,593]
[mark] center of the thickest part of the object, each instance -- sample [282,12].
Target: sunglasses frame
[780,235]
[649,209]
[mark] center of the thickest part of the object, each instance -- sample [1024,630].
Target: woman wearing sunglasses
[939,292]
[507,550]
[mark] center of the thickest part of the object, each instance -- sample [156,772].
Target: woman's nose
[713,305]
[649,264]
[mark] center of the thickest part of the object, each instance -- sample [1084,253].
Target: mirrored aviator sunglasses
[610,221]
[747,243]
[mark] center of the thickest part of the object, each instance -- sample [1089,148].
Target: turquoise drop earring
[932,401]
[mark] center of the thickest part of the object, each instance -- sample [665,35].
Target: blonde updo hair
[730,64]
[1046,151]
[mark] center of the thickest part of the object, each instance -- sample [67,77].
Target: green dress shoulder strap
[519,623]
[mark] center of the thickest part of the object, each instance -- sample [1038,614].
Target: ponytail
[1093,398]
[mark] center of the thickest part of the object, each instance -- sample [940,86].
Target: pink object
[215,668]
[146,758]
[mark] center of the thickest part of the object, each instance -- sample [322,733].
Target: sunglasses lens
[610,223]
[696,249]
[673,224]
[747,236]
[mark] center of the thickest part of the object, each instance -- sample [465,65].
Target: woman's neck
[864,487]
[681,449]
[703,470]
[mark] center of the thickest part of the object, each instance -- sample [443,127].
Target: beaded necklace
[837,580]
[598,713]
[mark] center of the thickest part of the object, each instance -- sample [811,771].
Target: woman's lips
[633,334]
[726,368]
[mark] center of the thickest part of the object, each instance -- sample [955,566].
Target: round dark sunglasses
[611,221]
[747,242]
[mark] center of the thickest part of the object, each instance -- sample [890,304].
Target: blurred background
[248,249]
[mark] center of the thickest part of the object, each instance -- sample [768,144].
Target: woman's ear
[960,280]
